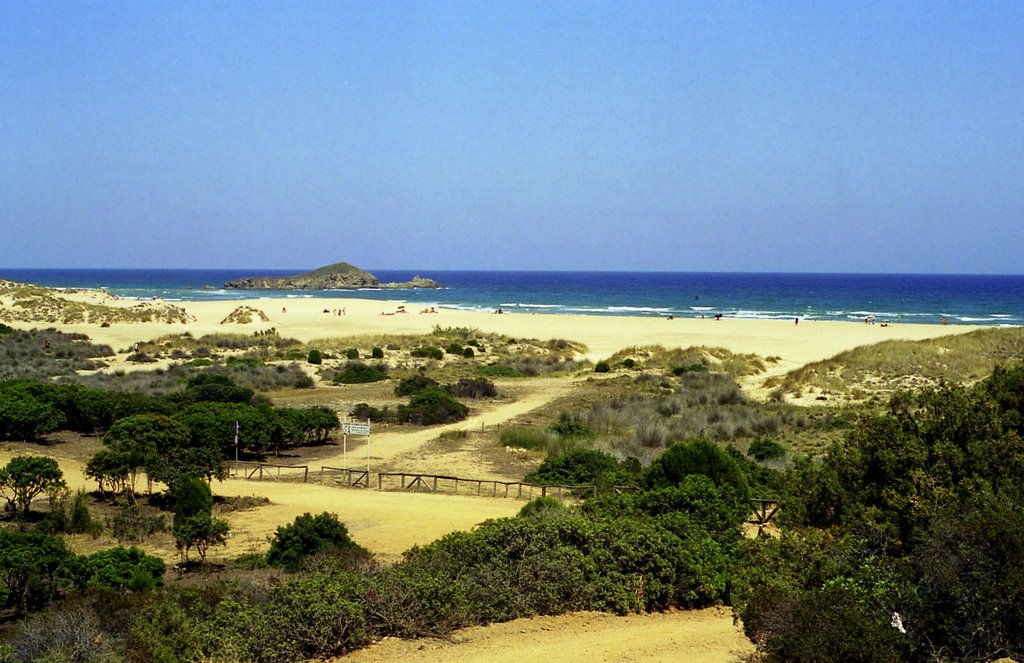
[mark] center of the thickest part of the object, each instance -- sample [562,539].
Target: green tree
[25,477]
[194,525]
[121,568]
[29,562]
[312,535]
[24,415]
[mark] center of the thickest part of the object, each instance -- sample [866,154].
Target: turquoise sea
[905,298]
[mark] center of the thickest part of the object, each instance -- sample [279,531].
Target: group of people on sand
[335,311]
[429,310]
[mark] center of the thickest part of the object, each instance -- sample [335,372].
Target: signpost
[355,428]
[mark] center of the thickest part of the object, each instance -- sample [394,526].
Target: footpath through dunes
[692,636]
[392,447]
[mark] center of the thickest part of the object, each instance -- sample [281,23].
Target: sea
[890,298]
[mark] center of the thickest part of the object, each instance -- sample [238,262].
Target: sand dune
[305,320]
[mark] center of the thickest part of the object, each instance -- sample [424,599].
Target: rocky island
[339,276]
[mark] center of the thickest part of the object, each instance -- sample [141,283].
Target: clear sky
[682,136]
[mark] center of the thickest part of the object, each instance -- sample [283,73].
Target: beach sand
[306,321]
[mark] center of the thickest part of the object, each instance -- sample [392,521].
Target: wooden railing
[350,478]
[250,470]
[441,483]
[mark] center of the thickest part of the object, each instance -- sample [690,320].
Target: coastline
[305,319]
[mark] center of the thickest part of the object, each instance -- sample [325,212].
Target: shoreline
[309,319]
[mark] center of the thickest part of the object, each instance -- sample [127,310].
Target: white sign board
[349,428]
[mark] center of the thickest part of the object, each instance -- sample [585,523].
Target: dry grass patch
[885,367]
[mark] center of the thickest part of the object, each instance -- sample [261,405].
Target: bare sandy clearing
[385,523]
[695,636]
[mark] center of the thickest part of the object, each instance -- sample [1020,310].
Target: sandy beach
[306,320]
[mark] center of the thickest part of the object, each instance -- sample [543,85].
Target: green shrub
[315,357]
[602,367]
[352,353]
[473,388]
[427,352]
[432,406]
[581,467]
[499,371]
[695,367]
[357,373]
[468,352]
[762,450]
[543,507]
[366,411]
[414,385]
[121,568]
[312,535]
[697,457]
[377,353]
[571,428]
[628,362]
[454,348]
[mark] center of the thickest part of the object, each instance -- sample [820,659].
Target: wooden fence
[249,470]
[350,478]
[763,511]
[441,483]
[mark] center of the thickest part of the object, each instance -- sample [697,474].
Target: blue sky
[682,136]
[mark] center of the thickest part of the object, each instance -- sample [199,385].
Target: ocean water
[907,298]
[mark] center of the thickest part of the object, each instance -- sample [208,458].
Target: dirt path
[694,636]
[389,446]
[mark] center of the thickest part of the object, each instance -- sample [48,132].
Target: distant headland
[339,276]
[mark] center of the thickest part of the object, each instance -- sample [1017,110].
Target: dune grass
[713,359]
[892,365]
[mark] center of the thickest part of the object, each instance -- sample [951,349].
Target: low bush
[308,536]
[414,385]
[358,373]
[315,357]
[499,371]
[432,406]
[568,427]
[427,352]
[376,353]
[366,411]
[582,467]
[762,450]
[473,388]
[352,353]
[602,367]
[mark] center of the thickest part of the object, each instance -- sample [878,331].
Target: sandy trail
[694,636]
[390,446]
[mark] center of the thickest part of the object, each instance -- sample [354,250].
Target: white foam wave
[520,305]
[638,309]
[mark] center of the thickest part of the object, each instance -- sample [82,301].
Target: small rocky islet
[339,276]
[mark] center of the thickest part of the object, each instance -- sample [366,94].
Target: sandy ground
[305,320]
[695,636]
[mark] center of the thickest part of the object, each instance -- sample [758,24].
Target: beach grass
[691,358]
[893,365]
